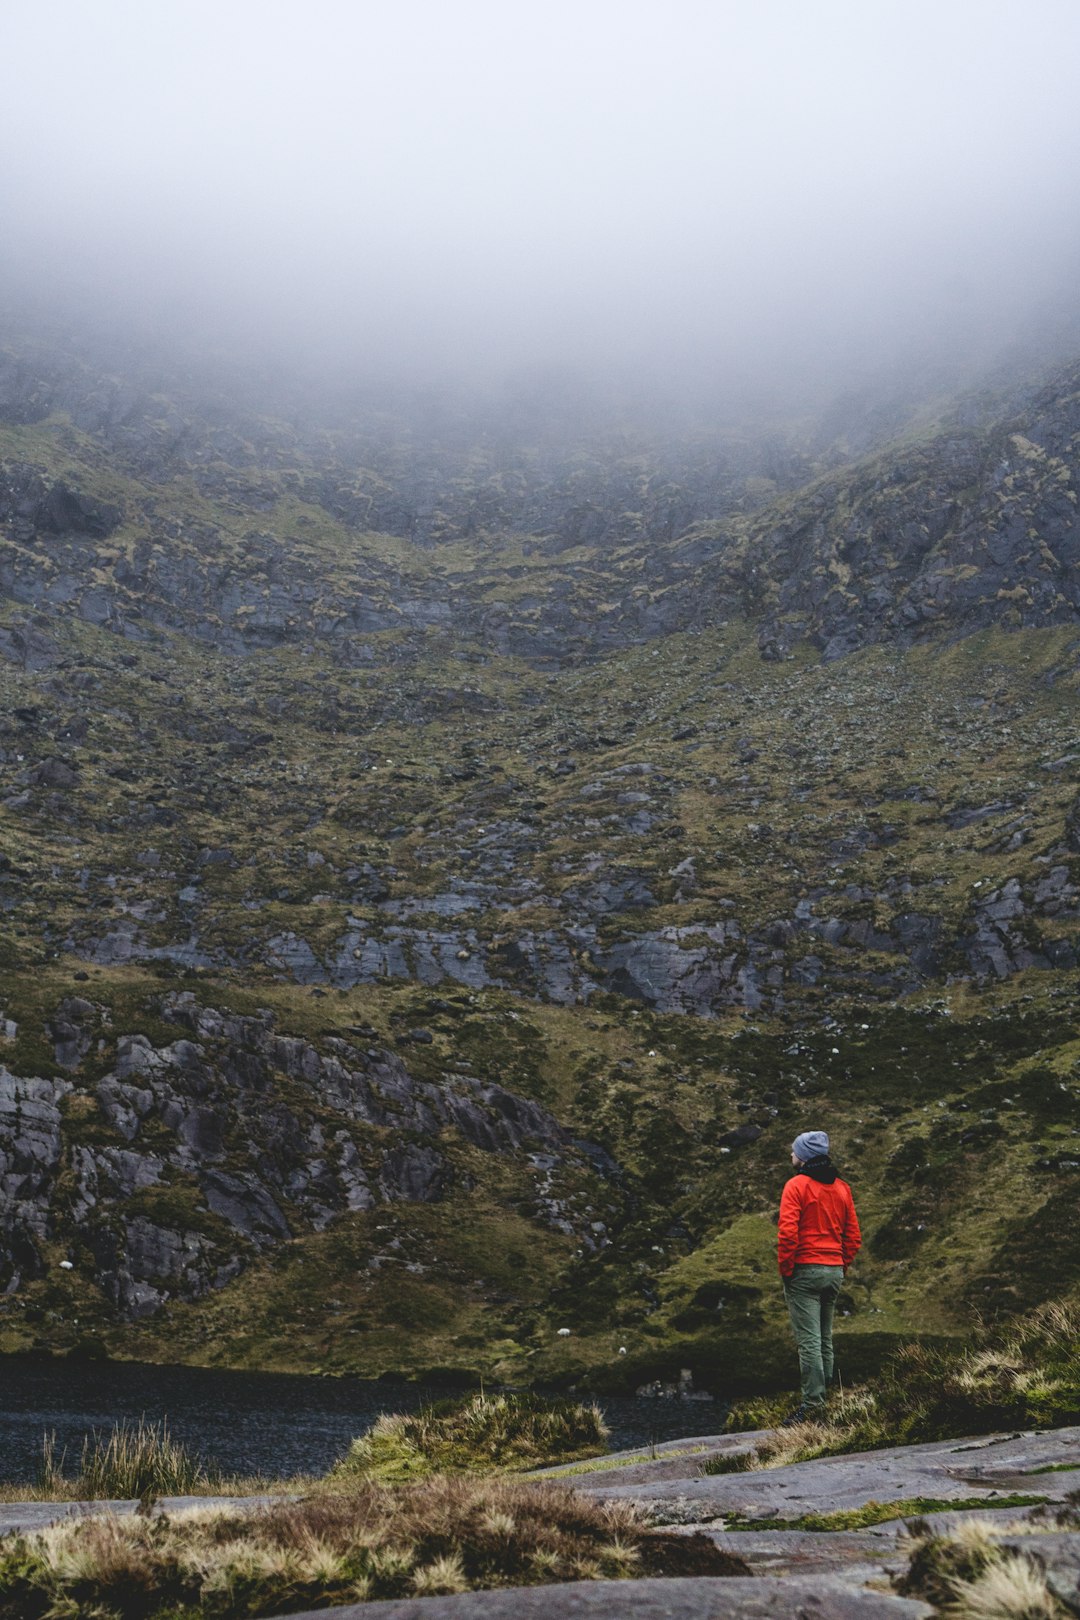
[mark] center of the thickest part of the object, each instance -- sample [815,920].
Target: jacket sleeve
[852,1241]
[787,1237]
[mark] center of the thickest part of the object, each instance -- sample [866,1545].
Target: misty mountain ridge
[443,854]
[819,529]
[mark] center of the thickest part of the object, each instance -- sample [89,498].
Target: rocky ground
[798,1571]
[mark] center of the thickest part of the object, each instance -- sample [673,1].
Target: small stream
[251,1423]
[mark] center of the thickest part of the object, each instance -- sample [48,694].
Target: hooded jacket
[818,1224]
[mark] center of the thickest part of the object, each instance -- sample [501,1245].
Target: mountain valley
[444,860]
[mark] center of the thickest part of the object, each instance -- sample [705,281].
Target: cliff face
[964,531]
[398,834]
[164,1176]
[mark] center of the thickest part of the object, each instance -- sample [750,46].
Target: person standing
[818,1239]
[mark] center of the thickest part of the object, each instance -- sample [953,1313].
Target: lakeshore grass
[485,1433]
[132,1460]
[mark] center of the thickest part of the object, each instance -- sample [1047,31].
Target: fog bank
[731,196]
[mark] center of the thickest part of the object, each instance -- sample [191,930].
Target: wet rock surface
[944,1469]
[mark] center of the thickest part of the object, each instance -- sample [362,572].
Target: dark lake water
[251,1423]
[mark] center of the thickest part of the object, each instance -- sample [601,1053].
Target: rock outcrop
[188,1158]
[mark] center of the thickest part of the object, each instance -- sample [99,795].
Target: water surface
[250,1423]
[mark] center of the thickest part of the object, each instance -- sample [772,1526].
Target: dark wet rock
[363,956]
[27,647]
[121,943]
[1056,894]
[54,772]
[741,1136]
[143,1265]
[857,840]
[71,1030]
[351,1173]
[690,969]
[815,1597]
[997,945]
[294,957]
[412,1172]
[452,904]
[550,962]
[1072,827]
[807,970]
[36,508]
[217,857]
[920,936]
[969,817]
[246,1204]
[610,893]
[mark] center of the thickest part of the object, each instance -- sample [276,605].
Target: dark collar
[819,1169]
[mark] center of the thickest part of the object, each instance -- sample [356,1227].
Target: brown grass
[374,1541]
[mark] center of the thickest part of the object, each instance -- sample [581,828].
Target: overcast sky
[741,184]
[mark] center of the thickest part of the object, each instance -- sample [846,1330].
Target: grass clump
[486,1433]
[371,1541]
[1026,1376]
[969,1574]
[133,1460]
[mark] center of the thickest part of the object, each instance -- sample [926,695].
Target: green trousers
[811,1293]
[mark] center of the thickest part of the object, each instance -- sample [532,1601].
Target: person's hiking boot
[804,1414]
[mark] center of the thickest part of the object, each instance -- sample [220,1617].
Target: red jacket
[818,1224]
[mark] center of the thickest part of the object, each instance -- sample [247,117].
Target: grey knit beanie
[810,1145]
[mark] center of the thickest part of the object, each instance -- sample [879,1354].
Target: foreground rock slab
[862,1557]
[736,1598]
[945,1470]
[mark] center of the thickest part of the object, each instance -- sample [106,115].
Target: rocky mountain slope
[439,871]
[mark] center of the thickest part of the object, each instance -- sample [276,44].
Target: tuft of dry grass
[138,1462]
[373,1541]
[968,1574]
[794,1444]
[133,1460]
[1011,1588]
